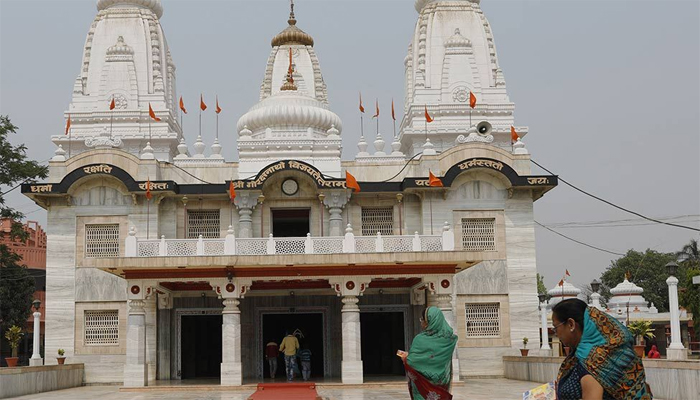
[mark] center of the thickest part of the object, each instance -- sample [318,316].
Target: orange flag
[68,125]
[351,182]
[112,104]
[290,70]
[182,106]
[377,114]
[567,273]
[362,109]
[218,109]
[433,180]
[513,135]
[428,118]
[561,283]
[202,106]
[149,195]
[472,99]
[393,115]
[628,275]
[152,114]
[231,191]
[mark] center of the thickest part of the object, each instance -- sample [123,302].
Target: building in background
[167,261]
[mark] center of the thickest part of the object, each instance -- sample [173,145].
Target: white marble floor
[473,389]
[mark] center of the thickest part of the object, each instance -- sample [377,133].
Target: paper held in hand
[543,392]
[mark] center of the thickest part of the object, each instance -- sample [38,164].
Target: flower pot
[523,352]
[639,349]
[61,360]
[11,361]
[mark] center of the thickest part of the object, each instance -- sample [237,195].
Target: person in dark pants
[305,358]
[290,345]
[271,353]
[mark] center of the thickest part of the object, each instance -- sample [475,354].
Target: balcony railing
[230,245]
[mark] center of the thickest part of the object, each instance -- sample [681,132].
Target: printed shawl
[429,361]
[606,351]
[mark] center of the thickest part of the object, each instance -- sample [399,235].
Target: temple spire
[292,20]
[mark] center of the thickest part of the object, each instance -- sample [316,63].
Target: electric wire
[579,242]
[615,205]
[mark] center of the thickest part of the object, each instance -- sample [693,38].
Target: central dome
[292,35]
[153,5]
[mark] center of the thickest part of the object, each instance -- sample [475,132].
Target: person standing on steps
[290,345]
[271,353]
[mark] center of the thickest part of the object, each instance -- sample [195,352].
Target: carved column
[336,201]
[136,366]
[676,350]
[350,288]
[151,337]
[231,367]
[36,356]
[245,202]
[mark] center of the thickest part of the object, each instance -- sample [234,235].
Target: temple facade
[166,261]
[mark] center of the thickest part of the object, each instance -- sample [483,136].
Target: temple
[168,261]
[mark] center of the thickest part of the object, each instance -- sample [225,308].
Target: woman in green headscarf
[429,361]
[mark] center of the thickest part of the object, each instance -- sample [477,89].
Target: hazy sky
[610,91]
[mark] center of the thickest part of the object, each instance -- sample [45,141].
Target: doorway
[201,346]
[310,325]
[382,334]
[290,222]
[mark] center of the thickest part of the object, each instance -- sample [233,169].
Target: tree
[689,294]
[16,285]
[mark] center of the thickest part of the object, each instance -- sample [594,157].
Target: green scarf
[431,351]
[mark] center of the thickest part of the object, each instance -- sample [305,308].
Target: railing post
[162,250]
[349,241]
[131,245]
[416,242]
[308,245]
[270,245]
[230,242]
[448,238]
[380,243]
[200,246]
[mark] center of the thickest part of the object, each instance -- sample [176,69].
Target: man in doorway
[290,345]
[305,358]
[272,352]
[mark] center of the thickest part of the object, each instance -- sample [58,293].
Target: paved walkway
[473,389]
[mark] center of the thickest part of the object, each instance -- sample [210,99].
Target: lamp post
[595,296]
[675,350]
[36,356]
[321,197]
[261,200]
[545,350]
[399,198]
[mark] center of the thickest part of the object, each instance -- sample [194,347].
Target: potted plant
[13,336]
[640,329]
[524,350]
[61,358]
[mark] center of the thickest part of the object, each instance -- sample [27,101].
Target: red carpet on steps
[285,391]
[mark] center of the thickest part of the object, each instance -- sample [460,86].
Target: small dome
[568,290]
[153,5]
[120,48]
[292,35]
[457,40]
[626,287]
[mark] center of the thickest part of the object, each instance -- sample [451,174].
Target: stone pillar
[444,303]
[335,201]
[151,337]
[136,368]
[36,355]
[675,350]
[246,202]
[351,370]
[545,350]
[231,367]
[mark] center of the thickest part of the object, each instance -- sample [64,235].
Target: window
[203,222]
[102,240]
[101,327]
[478,234]
[483,319]
[377,219]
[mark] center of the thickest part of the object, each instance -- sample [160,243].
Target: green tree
[689,294]
[16,284]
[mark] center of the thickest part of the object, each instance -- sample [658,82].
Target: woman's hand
[402,354]
[591,388]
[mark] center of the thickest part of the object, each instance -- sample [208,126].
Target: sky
[610,91]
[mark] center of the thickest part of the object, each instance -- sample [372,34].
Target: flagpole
[200,121]
[111,120]
[148,218]
[362,126]
[470,117]
[69,136]
[430,200]
[182,130]
[217,125]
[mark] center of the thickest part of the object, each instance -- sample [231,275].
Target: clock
[290,187]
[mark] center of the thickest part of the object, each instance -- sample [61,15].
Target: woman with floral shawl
[603,364]
[429,361]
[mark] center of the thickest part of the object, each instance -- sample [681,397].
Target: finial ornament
[289,84]
[291,12]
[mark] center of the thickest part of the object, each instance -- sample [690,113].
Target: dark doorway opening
[382,334]
[201,346]
[310,325]
[290,222]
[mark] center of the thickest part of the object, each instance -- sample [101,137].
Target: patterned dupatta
[429,362]
[606,351]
